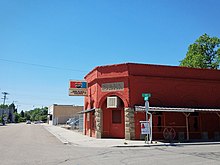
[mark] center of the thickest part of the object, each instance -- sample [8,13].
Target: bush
[21,119]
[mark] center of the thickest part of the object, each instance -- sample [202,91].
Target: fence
[76,121]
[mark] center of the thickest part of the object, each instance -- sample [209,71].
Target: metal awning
[207,110]
[86,111]
[168,109]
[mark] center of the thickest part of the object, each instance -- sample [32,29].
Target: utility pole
[4,98]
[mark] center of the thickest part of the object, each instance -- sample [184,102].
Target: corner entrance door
[117,125]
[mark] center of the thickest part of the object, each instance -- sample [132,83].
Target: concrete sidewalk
[78,139]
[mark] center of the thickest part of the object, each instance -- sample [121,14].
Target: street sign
[145,127]
[146,96]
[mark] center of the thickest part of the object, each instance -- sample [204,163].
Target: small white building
[59,114]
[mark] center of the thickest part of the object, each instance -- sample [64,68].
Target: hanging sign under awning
[78,88]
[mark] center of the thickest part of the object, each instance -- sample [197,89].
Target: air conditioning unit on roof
[113,102]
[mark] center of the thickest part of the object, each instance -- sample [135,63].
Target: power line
[44,66]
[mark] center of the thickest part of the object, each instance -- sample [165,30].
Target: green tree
[204,53]
[22,113]
[38,114]
[3,106]
[21,119]
[12,106]
[17,116]
[27,115]
[33,117]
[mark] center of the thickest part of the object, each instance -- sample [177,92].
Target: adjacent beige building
[59,114]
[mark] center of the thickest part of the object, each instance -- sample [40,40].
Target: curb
[58,136]
[169,144]
[137,146]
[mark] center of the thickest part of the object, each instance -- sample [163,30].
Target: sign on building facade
[116,86]
[78,88]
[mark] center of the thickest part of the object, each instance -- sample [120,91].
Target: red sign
[78,84]
[78,88]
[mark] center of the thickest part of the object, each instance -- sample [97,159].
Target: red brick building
[185,102]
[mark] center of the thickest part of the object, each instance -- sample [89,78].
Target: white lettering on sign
[78,92]
[117,86]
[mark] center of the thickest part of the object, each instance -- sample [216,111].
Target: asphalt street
[22,144]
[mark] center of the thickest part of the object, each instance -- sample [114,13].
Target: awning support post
[187,125]
[218,116]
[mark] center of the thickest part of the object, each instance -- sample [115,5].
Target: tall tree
[12,106]
[22,113]
[17,116]
[27,115]
[204,53]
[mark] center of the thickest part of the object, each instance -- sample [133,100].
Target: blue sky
[45,43]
